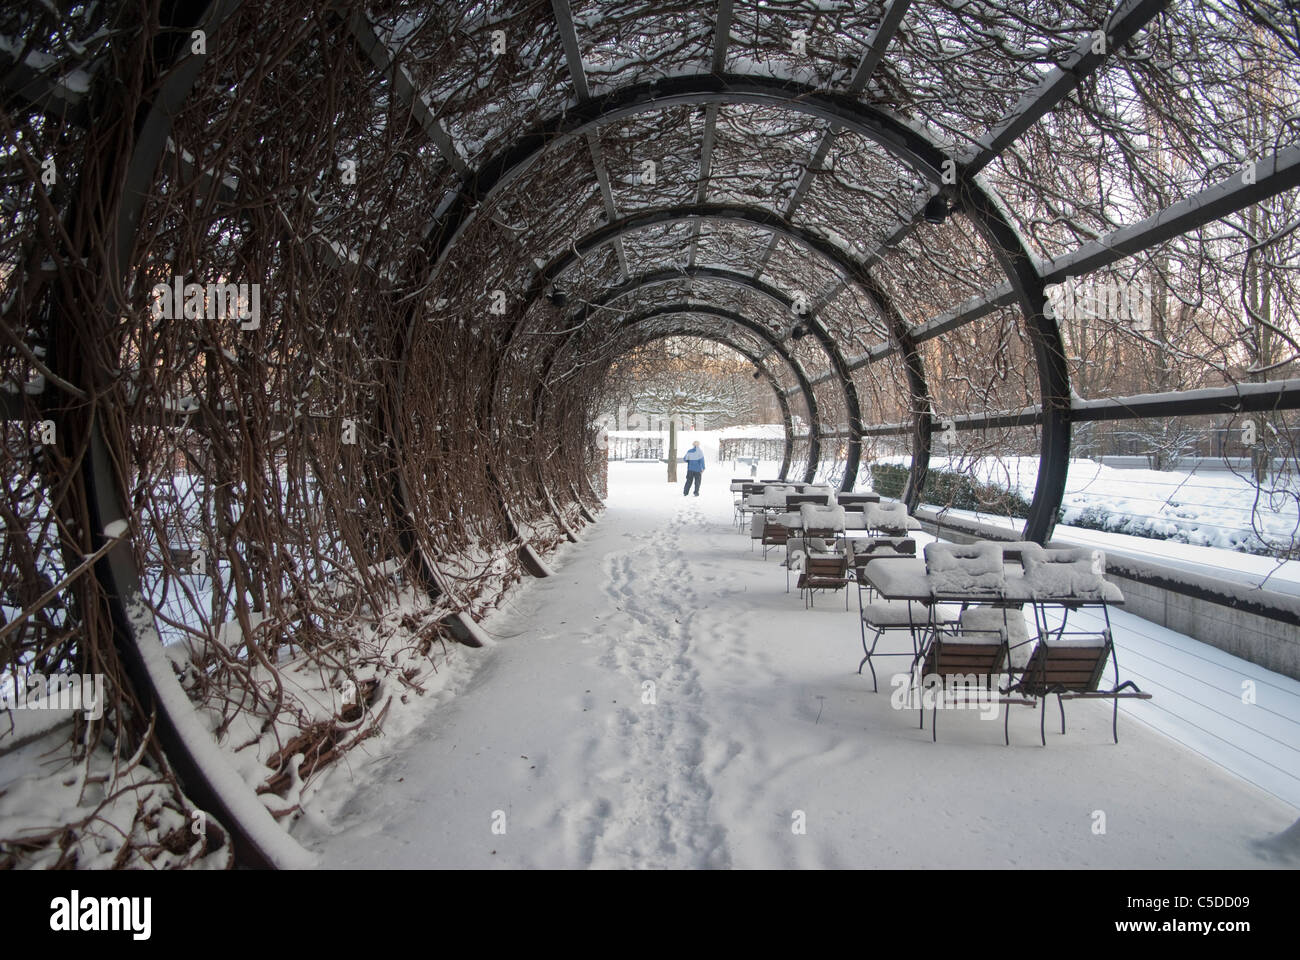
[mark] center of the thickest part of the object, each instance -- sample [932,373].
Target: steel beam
[706,167]
[404,89]
[572,55]
[582,93]
[1274,174]
[973,309]
[721,36]
[867,65]
[25,86]
[1080,64]
[1214,401]
[875,52]
[1240,398]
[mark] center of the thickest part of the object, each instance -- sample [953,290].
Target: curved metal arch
[905,143]
[840,261]
[758,330]
[910,146]
[824,339]
[810,400]
[1049,357]
[787,421]
[255,837]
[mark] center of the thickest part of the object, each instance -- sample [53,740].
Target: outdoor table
[856,499]
[909,582]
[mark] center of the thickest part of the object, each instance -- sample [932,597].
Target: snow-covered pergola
[458,215]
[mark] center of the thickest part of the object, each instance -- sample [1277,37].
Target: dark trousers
[692,476]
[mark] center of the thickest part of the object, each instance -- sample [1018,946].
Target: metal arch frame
[905,143]
[759,331]
[217,4]
[255,837]
[891,134]
[1049,358]
[850,270]
[745,281]
[782,401]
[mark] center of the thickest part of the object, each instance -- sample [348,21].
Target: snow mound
[816,517]
[1064,572]
[964,568]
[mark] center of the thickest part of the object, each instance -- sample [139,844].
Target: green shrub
[887,479]
[946,488]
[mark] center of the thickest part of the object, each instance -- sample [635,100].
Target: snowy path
[758,725]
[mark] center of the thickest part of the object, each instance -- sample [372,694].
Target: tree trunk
[672,451]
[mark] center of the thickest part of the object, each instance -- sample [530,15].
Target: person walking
[694,468]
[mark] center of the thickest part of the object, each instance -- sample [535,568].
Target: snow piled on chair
[817,517]
[954,568]
[1065,572]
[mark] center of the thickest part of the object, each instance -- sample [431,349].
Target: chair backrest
[961,568]
[821,517]
[887,515]
[856,499]
[885,546]
[774,496]
[856,519]
[945,658]
[776,528]
[1064,572]
[796,551]
[826,564]
[1065,667]
[798,499]
[1013,551]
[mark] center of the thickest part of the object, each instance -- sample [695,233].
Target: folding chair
[822,568]
[1071,663]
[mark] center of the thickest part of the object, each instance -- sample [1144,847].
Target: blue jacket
[694,461]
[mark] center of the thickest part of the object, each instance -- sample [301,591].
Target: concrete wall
[1270,642]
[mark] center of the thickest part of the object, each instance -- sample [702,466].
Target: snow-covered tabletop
[908,580]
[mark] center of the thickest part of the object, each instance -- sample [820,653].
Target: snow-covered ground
[1209,508]
[661,701]
[1267,573]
